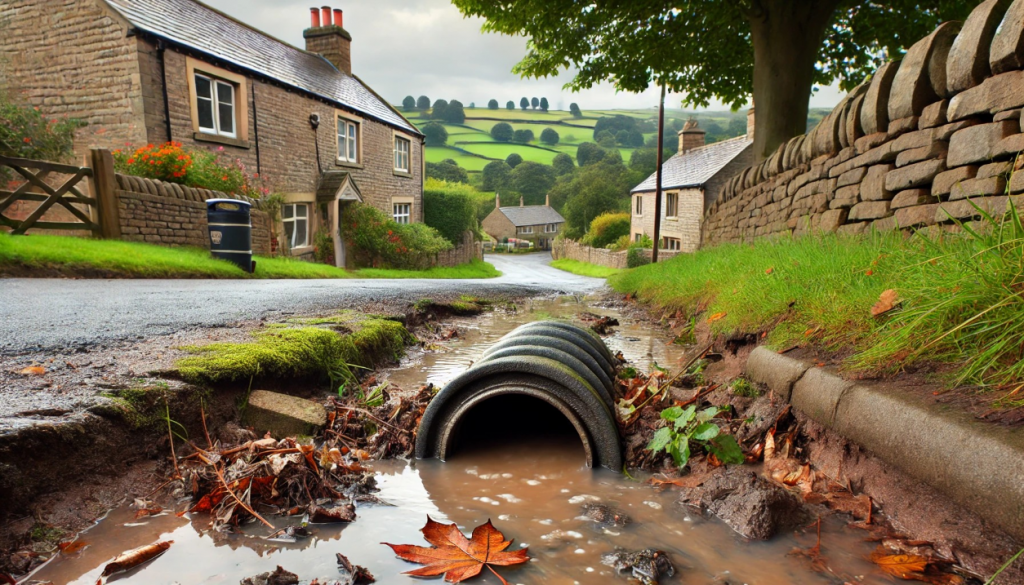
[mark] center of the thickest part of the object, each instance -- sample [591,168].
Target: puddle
[531,488]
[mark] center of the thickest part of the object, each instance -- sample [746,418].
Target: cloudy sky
[417,47]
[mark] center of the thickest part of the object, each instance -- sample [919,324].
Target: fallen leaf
[457,557]
[902,566]
[716,317]
[135,557]
[886,302]
[336,512]
[869,272]
[148,512]
[4,578]
[33,371]
[769,271]
[70,548]
[683,482]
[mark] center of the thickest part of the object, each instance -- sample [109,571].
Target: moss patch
[465,306]
[316,349]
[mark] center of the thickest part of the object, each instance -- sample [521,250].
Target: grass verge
[472,269]
[585,268]
[959,298]
[308,349]
[70,256]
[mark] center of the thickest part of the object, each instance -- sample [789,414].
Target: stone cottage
[540,224]
[691,179]
[152,71]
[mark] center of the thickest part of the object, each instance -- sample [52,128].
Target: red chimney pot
[338,17]
[314,17]
[325,16]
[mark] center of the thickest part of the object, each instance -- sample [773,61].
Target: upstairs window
[526,230]
[348,140]
[215,106]
[402,148]
[551,228]
[295,217]
[671,204]
[639,205]
[402,212]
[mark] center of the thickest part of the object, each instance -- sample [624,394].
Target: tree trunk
[787,37]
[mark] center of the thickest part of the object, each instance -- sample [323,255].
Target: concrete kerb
[979,466]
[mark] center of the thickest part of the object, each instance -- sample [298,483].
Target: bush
[496,175]
[636,257]
[449,208]
[375,240]
[198,168]
[435,134]
[502,132]
[549,136]
[26,133]
[513,160]
[447,170]
[492,105]
[523,136]
[563,164]
[606,228]
[588,153]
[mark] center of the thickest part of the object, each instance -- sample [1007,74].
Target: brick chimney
[326,36]
[690,136]
[750,122]
[497,200]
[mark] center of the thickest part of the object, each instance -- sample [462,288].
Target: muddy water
[532,489]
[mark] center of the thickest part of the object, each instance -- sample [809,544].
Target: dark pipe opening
[514,421]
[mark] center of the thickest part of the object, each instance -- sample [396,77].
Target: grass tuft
[472,269]
[585,268]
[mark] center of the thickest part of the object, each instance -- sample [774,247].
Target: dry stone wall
[169,214]
[468,250]
[572,250]
[913,147]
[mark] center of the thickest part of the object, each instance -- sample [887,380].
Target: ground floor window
[402,212]
[295,217]
[637,237]
[671,244]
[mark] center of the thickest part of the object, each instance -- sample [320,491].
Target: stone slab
[818,393]
[967,64]
[282,415]
[914,175]
[1007,50]
[851,177]
[916,216]
[872,187]
[996,94]
[933,115]
[913,87]
[978,188]
[1017,183]
[936,149]
[994,169]
[1009,147]
[869,210]
[944,182]
[845,197]
[978,143]
[874,110]
[832,219]
[963,208]
[912,197]
[777,372]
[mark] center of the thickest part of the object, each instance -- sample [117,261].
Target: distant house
[151,71]
[691,180]
[539,224]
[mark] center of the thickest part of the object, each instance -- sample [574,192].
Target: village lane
[39,314]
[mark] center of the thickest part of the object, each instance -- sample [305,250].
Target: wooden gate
[40,179]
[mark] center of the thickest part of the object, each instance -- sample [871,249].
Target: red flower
[27,140]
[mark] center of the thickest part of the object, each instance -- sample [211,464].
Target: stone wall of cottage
[685,226]
[169,214]
[278,120]
[72,58]
[911,148]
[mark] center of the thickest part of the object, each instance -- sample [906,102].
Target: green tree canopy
[423,102]
[727,50]
[595,189]
[563,164]
[644,161]
[449,208]
[534,102]
[544,103]
[496,176]
[614,125]
[492,105]
[502,132]
[549,136]
[588,153]
[533,180]
[513,160]
[409,103]
[525,135]
[454,113]
[511,105]
[524,103]
[435,134]
[447,170]
[574,109]
[439,110]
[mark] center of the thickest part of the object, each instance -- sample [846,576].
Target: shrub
[449,208]
[549,136]
[563,164]
[198,168]
[636,257]
[435,134]
[513,160]
[502,132]
[168,163]
[523,136]
[606,228]
[26,133]
[376,240]
[447,170]
[496,175]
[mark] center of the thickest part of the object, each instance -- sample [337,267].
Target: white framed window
[402,148]
[639,205]
[551,228]
[670,244]
[215,106]
[671,204]
[637,237]
[526,229]
[348,140]
[295,217]
[402,212]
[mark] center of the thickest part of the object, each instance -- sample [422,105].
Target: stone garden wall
[911,147]
[572,250]
[468,250]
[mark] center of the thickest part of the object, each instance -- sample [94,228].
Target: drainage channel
[525,469]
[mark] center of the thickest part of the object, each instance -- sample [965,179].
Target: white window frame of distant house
[639,207]
[526,229]
[403,168]
[402,209]
[672,204]
[226,89]
[351,152]
[290,215]
[637,238]
[551,228]
[671,244]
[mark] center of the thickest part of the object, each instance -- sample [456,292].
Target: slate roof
[532,215]
[196,26]
[330,182]
[696,167]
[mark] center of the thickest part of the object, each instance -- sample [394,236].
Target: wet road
[38,314]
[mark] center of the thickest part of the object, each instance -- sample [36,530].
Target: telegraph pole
[657,187]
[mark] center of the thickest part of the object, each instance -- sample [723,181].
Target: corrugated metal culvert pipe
[568,367]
